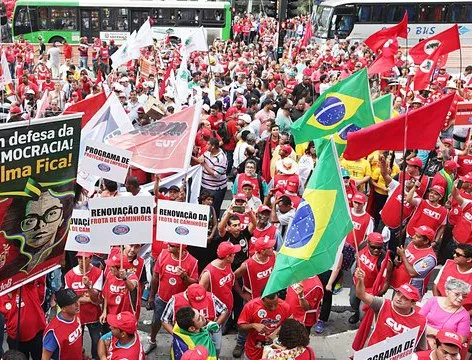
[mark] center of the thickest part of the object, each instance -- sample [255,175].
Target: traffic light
[292,8]
[271,8]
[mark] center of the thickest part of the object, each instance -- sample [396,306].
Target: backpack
[224,133]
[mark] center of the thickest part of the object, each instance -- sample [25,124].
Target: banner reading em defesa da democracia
[38,167]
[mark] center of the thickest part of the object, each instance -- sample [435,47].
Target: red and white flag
[42,105]
[425,71]
[446,41]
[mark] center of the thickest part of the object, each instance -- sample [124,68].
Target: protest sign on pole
[401,346]
[123,220]
[79,238]
[105,161]
[463,114]
[37,172]
[182,223]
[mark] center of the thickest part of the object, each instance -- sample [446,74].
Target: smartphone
[459,184]
[239,209]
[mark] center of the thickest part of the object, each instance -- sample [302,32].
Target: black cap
[174,187]
[66,297]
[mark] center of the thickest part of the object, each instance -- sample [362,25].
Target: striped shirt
[218,163]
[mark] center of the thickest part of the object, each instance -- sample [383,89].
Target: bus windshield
[322,21]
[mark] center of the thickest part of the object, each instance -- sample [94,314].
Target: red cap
[227,248]
[115,261]
[450,165]
[439,189]
[240,197]
[448,141]
[176,245]
[198,353]
[375,238]
[124,321]
[140,109]
[15,110]
[286,148]
[359,197]
[262,243]
[410,292]
[84,254]
[239,100]
[196,294]
[467,177]
[449,337]
[415,162]
[425,231]
[263,208]
[247,182]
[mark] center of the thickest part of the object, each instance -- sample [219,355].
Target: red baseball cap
[196,294]
[467,177]
[360,198]
[15,110]
[449,337]
[263,243]
[286,148]
[240,197]
[247,182]
[239,100]
[115,260]
[227,248]
[375,238]
[410,292]
[425,230]
[415,162]
[84,254]
[448,141]
[124,321]
[176,245]
[200,352]
[450,165]
[263,208]
[439,189]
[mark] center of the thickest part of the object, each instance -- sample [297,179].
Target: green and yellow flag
[320,224]
[346,103]
[383,108]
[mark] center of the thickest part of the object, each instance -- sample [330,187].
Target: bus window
[377,13]
[107,19]
[43,18]
[213,17]
[432,13]
[63,18]
[188,17]
[397,11]
[114,19]
[164,17]
[460,13]
[25,20]
[322,21]
[343,25]
[363,13]
[122,20]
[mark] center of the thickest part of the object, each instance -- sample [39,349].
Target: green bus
[58,20]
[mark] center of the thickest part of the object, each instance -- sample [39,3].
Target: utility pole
[281,17]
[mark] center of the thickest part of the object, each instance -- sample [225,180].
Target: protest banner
[147,67]
[182,223]
[123,220]
[79,238]
[463,114]
[37,172]
[105,161]
[165,145]
[399,347]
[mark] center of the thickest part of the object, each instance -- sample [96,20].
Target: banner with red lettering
[38,167]
[147,67]
[165,145]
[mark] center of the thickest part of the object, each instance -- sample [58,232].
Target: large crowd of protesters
[251,98]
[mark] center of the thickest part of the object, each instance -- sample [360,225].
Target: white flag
[181,83]
[196,41]
[125,53]
[144,36]
[5,75]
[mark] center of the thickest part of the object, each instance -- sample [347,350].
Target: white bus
[357,19]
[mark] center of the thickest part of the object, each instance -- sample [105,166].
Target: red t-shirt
[67,50]
[256,312]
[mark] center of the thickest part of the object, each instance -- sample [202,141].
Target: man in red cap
[207,305]
[122,342]
[448,346]
[417,261]
[464,160]
[261,319]
[413,170]
[394,316]
[173,273]
[87,282]
[218,277]
[291,190]
[119,288]
[248,190]
[370,258]
[361,220]
[265,229]
[428,212]
[462,209]
[445,177]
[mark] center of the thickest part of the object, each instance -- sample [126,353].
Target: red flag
[99,79]
[422,130]
[88,106]
[266,162]
[425,70]
[377,40]
[447,41]
[307,35]
[366,323]
[381,64]
[162,89]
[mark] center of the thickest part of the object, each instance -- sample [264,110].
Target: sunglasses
[376,247]
[458,254]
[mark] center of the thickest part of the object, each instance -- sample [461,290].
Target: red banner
[463,114]
[165,145]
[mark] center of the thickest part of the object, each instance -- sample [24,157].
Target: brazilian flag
[383,108]
[320,224]
[346,103]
